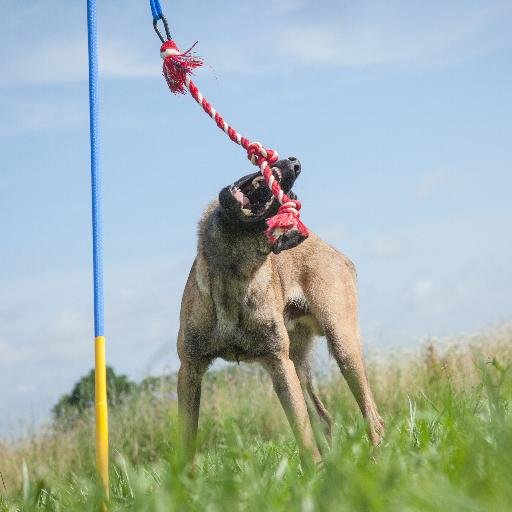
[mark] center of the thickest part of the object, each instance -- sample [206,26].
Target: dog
[245,300]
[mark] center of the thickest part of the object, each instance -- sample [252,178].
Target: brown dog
[247,301]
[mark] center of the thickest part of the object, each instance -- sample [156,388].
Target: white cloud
[422,287]
[59,53]
[26,114]
[387,245]
[60,326]
[26,388]
[288,34]
[335,233]
[431,183]
[116,60]
[60,60]
[46,330]
[429,277]
[11,354]
[417,36]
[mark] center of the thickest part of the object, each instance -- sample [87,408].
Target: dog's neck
[235,248]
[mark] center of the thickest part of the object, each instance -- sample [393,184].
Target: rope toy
[177,68]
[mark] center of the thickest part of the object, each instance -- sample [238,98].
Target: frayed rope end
[178,66]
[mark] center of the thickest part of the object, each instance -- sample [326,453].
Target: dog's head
[248,202]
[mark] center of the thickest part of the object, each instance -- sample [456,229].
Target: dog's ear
[288,241]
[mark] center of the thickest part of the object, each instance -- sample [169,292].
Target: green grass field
[448,444]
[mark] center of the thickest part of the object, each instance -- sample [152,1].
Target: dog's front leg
[190,376]
[288,389]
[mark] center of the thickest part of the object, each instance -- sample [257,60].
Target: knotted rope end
[285,222]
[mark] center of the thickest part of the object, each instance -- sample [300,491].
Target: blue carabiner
[156,9]
[156,12]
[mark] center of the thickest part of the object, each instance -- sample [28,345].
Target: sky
[401,115]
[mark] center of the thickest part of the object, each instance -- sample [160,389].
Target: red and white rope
[177,69]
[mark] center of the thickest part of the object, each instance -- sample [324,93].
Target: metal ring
[166,27]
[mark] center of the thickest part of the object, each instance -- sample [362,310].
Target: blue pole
[97,242]
[97,227]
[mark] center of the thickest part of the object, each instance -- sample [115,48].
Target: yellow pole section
[101,411]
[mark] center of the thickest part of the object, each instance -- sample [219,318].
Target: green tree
[81,398]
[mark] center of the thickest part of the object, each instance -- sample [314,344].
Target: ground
[447,447]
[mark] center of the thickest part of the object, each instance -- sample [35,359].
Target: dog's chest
[244,324]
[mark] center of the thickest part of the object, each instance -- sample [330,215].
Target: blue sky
[400,113]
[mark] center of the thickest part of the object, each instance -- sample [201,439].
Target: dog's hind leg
[344,344]
[316,408]
[288,389]
[321,410]
[190,376]
[301,341]
[335,308]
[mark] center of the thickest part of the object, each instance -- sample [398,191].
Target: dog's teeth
[257,181]
[247,212]
[277,173]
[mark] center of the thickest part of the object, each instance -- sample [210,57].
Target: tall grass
[448,444]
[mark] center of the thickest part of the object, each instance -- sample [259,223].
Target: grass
[448,444]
